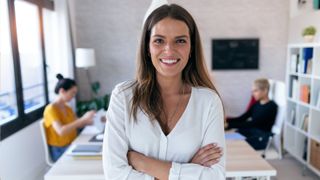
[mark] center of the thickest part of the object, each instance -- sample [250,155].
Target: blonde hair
[262,84]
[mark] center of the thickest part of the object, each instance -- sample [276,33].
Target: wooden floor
[290,169]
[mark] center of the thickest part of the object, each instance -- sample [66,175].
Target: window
[8,102]
[53,61]
[30,53]
[56,49]
[23,82]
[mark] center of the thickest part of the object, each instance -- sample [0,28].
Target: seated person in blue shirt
[256,123]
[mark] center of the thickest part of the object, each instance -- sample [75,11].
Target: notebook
[234,136]
[85,150]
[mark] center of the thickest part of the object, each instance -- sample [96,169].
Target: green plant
[95,88]
[94,104]
[310,30]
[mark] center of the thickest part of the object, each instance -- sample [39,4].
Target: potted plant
[96,103]
[309,33]
[93,104]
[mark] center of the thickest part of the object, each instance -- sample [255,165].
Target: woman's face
[67,95]
[169,47]
[258,93]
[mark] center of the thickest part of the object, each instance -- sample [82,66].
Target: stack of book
[85,151]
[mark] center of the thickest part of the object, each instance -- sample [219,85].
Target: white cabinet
[302,125]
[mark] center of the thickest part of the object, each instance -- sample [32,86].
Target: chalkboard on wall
[235,54]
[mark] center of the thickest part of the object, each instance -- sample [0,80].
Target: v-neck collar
[180,119]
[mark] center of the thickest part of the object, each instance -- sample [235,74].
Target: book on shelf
[294,63]
[293,117]
[304,122]
[306,66]
[307,53]
[305,93]
[301,66]
[294,89]
[307,58]
[309,67]
[305,149]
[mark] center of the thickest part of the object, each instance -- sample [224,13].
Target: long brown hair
[146,93]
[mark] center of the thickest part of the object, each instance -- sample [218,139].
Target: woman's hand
[136,160]
[87,118]
[207,155]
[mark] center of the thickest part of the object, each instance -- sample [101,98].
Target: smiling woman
[168,123]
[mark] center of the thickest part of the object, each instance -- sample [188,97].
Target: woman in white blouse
[168,123]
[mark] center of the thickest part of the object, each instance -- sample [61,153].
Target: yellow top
[53,113]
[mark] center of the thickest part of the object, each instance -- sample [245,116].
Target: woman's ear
[61,91]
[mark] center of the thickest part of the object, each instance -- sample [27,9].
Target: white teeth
[169,61]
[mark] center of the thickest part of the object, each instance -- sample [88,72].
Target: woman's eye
[181,41]
[158,41]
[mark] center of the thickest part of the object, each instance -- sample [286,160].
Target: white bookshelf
[297,133]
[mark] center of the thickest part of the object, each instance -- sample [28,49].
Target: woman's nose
[168,47]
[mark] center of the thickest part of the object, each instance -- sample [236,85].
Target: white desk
[242,161]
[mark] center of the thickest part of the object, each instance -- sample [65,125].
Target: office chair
[277,94]
[45,144]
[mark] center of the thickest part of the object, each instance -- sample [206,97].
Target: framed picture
[316,4]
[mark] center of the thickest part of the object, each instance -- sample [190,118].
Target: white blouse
[200,124]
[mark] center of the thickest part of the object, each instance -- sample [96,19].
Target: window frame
[24,119]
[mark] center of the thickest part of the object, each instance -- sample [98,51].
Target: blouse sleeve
[214,134]
[50,114]
[115,145]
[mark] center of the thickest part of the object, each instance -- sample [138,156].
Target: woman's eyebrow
[182,36]
[158,35]
[177,37]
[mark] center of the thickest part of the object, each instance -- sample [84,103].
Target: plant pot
[308,38]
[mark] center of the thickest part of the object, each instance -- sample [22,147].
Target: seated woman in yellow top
[60,121]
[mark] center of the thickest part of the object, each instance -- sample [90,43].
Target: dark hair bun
[59,76]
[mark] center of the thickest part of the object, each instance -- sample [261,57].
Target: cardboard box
[315,154]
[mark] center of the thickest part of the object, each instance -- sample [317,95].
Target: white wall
[22,155]
[301,18]
[265,19]
[112,28]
